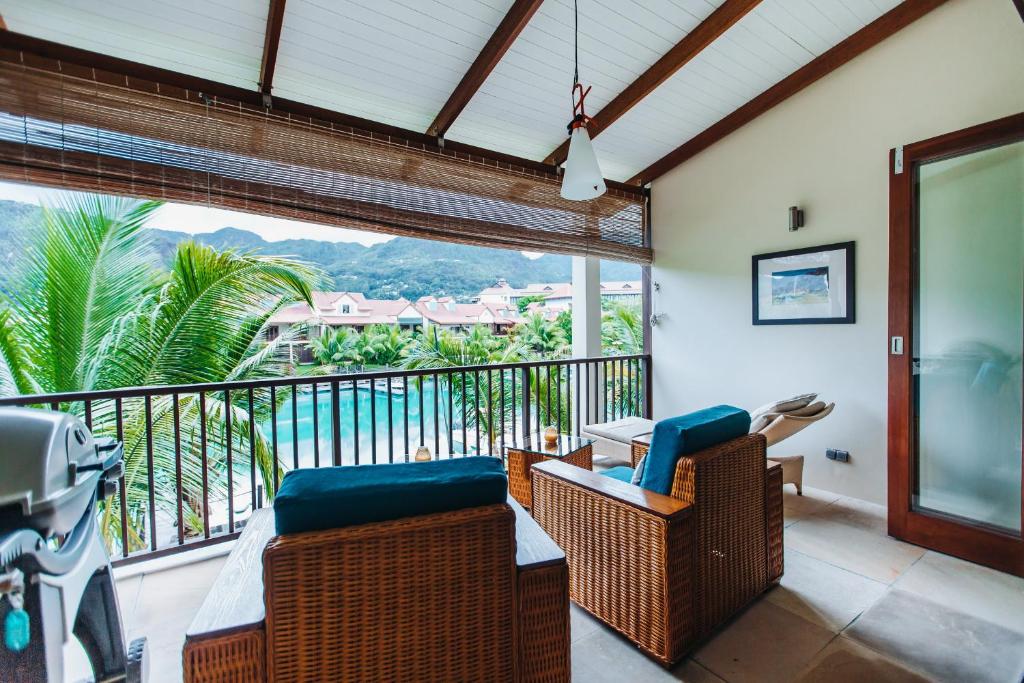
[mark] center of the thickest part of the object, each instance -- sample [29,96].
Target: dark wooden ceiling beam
[692,44]
[3,25]
[514,21]
[271,41]
[45,54]
[889,23]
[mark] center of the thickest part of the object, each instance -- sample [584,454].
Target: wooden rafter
[717,23]
[501,40]
[271,41]
[889,23]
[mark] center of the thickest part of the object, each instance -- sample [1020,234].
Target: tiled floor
[854,605]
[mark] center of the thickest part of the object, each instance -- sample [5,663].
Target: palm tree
[621,329]
[543,337]
[622,334]
[94,312]
[337,347]
[483,405]
[385,345]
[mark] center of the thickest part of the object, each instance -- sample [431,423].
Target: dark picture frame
[818,279]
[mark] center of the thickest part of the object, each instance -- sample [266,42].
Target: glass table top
[566,444]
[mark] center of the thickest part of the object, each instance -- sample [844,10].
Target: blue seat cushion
[686,434]
[334,497]
[622,473]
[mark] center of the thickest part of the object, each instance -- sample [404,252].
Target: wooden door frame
[992,548]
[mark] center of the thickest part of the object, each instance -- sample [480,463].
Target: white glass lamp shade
[582,179]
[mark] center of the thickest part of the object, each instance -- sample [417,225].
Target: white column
[586,306]
[586,329]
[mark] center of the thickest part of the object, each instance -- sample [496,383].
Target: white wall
[825,149]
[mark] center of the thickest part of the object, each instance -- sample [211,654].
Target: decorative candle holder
[423,454]
[551,436]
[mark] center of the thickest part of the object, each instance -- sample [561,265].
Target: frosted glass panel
[968,336]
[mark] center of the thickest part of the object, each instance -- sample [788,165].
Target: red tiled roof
[367,311]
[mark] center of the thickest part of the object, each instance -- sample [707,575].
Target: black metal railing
[200,458]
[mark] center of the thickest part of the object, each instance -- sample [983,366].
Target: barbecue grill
[55,575]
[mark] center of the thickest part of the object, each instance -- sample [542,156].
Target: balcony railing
[200,458]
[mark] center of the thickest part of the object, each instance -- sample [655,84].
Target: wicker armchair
[665,571]
[477,594]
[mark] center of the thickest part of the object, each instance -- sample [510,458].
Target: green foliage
[338,347]
[545,338]
[524,302]
[94,311]
[622,329]
[481,394]
[384,345]
[564,321]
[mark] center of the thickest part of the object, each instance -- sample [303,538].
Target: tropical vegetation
[93,311]
[96,306]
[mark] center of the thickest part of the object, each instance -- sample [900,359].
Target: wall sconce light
[655,317]
[796,218]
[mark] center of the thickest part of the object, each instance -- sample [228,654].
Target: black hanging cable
[576,42]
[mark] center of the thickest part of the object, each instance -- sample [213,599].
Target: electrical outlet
[837,455]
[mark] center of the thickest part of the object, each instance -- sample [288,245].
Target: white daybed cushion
[623,430]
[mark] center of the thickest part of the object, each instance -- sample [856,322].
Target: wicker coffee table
[526,453]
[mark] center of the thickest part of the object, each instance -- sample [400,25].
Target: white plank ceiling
[765,46]
[394,61]
[397,61]
[221,40]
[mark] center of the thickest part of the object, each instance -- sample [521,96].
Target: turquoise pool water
[302,428]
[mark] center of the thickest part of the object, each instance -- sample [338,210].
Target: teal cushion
[679,436]
[622,473]
[333,497]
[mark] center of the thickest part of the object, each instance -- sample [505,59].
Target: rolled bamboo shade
[84,134]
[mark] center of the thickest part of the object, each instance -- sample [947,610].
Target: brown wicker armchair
[478,594]
[665,571]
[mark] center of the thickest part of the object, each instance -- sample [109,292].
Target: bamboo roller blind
[83,134]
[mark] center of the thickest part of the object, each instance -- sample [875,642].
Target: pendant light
[582,179]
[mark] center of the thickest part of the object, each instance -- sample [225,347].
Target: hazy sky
[197,219]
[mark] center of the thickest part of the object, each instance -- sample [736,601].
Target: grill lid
[52,469]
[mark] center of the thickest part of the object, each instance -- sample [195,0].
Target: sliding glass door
[957,337]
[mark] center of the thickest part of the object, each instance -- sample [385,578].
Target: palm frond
[16,368]
[91,264]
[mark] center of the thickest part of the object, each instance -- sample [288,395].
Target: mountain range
[403,266]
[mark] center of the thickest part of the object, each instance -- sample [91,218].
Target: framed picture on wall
[804,286]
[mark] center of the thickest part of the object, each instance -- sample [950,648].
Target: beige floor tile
[851,546]
[943,644]
[765,644]
[858,513]
[845,661]
[127,597]
[823,593]
[968,587]
[604,656]
[813,500]
[581,622]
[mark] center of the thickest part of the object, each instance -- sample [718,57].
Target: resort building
[352,310]
[557,295]
[798,459]
[446,313]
